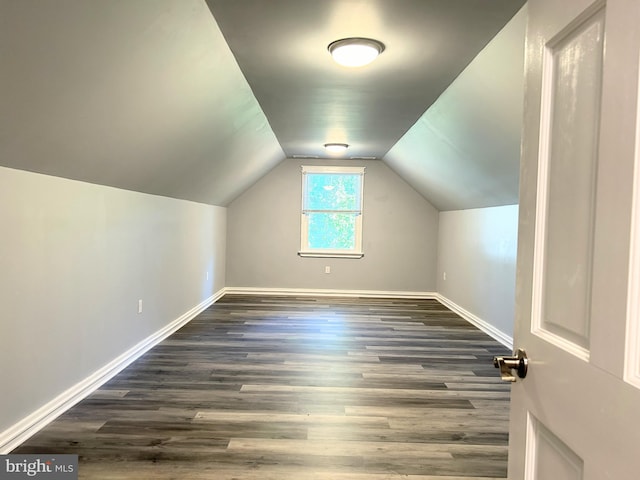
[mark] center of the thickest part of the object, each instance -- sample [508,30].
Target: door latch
[507,365]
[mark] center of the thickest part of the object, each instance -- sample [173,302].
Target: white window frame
[305,251]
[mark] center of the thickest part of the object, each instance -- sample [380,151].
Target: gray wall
[74,260]
[464,153]
[400,231]
[477,251]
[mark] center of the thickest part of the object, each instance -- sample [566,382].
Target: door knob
[507,365]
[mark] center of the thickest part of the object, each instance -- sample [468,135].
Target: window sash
[305,249]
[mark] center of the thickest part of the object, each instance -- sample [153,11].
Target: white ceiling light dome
[355,51]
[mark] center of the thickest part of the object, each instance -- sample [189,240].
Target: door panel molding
[545,450]
[632,351]
[567,162]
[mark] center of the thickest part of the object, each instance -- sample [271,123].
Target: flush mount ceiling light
[355,52]
[336,147]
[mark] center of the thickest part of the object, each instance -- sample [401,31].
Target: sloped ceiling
[148,95]
[281,47]
[464,152]
[138,94]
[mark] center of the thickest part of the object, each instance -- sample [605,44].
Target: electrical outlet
[327,269]
[139,306]
[207,275]
[444,275]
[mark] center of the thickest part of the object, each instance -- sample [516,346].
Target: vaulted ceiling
[197,100]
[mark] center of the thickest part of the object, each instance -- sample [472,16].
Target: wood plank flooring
[284,388]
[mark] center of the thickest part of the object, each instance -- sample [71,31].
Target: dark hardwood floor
[284,388]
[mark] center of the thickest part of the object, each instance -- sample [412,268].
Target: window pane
[332,230]
[332,192]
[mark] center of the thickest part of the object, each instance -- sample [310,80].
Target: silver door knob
[507,365]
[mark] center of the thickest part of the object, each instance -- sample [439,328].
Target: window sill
[331,254]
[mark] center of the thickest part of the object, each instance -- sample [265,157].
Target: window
[331,220]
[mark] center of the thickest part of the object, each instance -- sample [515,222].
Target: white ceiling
[148,95]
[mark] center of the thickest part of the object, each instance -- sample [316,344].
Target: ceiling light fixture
[355,52]
[336,147]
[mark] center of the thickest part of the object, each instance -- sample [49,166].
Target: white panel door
[577,413]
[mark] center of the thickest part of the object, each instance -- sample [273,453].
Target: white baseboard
[487,328]
[319,292]
[30,425]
